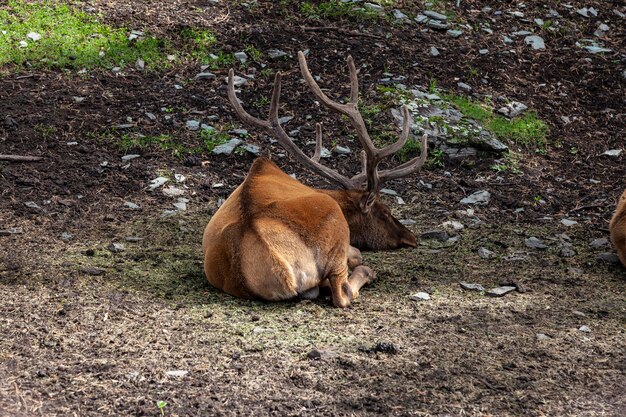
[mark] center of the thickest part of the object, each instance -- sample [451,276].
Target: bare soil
[77,340]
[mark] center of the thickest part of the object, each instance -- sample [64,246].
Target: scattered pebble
[453,225]
[479,197]
[598,243]
[276,53]
[440,235]
[420,296]
[541,336]
[486,253]
[227,148]
[172,191]
[613,152]
[568,223]
[609,257]
[535,243]
[500,291]
[434,51]
[584,329]
[513,109]
[116,247]
[90,270]
[176,373]
[130,157]
[157,182]
[472,286]
[535,41]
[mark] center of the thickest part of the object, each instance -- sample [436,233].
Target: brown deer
[275,238]
[618,229]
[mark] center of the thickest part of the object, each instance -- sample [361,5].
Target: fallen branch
[20,158]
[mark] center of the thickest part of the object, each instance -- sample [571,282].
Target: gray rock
[521,33]
[568,222]
[608,257]
[453,226]
[420,296]
[601,30]
[535,41]
[227,148]
[33,36]
[388,191]
[276,53]
[539,22]
[90,270]
[465,87]
[487,141]
[513,109]
[181,204]
[157,182]
[241,56]
[151,116]
[584,329]
[440,235]
[436,24]
[374,7]
[129,157]
[342,150]
[140,64]
[598,243]
[172,191]
[613,152]
[594,49]
[32,205]
[433,51]
[176,373]
[454,33]
[116,247]
[472,286]
[483,51]
[253,149]
[435,15]
[566,251]
[479,197]
[541,336]
[321,354]
[507,40]
[205,76]
[587,12]
[535,243]
[11,231]
[66,237]
[486,253]
[131,205]
[133,239]
[192,125]
[420,18]
[237,80]
[500,291]
[78,99]
[397,14]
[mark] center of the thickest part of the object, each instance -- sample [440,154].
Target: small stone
[258,330]
[23,44]
[172,191]
[453,225]
[276,53]
[434,51]
[374,7]
[408,222]
[598,243]
[90,270]
[613,152]
[179,178]
[140,64]
[454,33]
[116,247]
[253,149]
[535,243]
[479,197]
[135,34]
[541,336]
[601,30]
[486,253]
[388,191]
[325,354]
[535,41]
[192,125]
[33,36]
[435,15]
[483,51]
[436,24]
[237,80]
[420,296]
[181,205]
[397,14]
[500,291]
[420,18]
[594,49]
[440,235]
[227,148]
[32,205]
[342,150]
[513,109]
[507,40]
[241,56]
[130,157]
[177,373]
[157,182]
[465,87]
[472,286]
[66,237]
[584,329]
[568,223]
[78,99]
[608,257]
[205,76]
[566,251]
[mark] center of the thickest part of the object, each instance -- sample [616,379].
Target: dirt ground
[88,330]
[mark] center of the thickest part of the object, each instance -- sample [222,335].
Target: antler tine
[354,82]
[273,128]
[408,167]
[318,143]
[404,136]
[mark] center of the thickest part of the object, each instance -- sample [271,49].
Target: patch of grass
[213,138]
[165,142]
[71,38]
[527,130]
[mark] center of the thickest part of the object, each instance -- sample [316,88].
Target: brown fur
[618,228]
[275,238]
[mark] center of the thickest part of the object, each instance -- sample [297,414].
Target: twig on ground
[20,158]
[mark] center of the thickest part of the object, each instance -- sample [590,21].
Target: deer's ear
[367,201]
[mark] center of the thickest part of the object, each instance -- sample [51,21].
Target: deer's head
[371,223]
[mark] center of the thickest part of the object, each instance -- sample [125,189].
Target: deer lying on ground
[618,229]
[275,238]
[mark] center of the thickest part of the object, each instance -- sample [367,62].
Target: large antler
[372,156]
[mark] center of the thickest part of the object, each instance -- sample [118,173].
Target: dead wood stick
[340,30]
[20,158]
